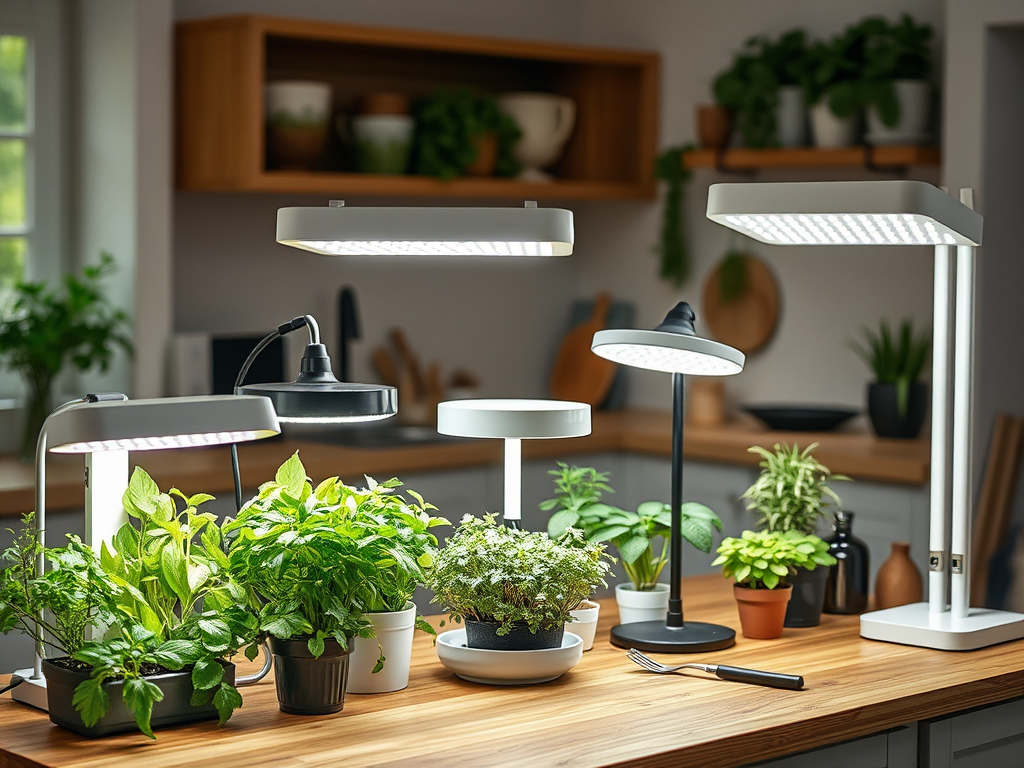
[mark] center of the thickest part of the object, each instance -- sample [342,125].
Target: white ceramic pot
[298,101]
[382,143]
[791,116]
[585,623]
[394,632]
[914,97]
[829,131]
[546,121]
[635,606]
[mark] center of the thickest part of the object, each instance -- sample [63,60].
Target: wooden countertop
[859,455]
[605,711]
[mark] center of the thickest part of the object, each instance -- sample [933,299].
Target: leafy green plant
[749,89]
[763,559]
[634,534]
[672,248]
[42,330]
[835,72]
[900,51]
[487,572]
[448,125]
[792,491]
[895,358]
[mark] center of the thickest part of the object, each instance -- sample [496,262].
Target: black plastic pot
[308,686]
[173,708]
[484,634]
[804,609]
[883,408]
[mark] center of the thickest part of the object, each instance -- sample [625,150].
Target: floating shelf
[810,157]
[222,64]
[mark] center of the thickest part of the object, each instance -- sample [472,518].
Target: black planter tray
[801,418]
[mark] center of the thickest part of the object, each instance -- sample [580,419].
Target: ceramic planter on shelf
[807,597]
[914,98]
[308,686]
[484,635]
[394,632]
[297,115]
[382,143]
[636,606]
[762,611]
[173,708]
[546,121]
[791,116]
[585,624]
[884,411]
[829,131]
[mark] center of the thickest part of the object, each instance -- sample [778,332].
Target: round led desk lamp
[673,347]
[513,421]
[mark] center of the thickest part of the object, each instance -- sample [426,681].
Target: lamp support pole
[938,556]
[675,599]
[513,479]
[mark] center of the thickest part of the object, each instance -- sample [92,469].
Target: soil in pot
[762,611]
[307,685]
[63,676]
[883,408]
[808,597]
[484,634]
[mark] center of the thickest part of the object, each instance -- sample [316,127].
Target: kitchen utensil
[580,375]
[799,418]
[723,672]
[408,359]
[747,321]
[385,366]
[621,314]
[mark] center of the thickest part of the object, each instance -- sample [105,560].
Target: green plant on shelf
[900,51]
[764,559]
[895,357]
[640,537]
[672,247]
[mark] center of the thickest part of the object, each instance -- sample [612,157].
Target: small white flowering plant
[491,573]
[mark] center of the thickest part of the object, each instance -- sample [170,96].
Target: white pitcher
[546,121]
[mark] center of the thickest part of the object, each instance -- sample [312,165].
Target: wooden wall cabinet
[223,63]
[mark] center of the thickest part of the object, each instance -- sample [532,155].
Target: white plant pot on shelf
[829,131]
[394,632]
[585,623]
[914,97]
[791,116]
[636,606]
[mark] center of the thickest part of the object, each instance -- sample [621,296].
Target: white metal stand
[513,479]
[956,626]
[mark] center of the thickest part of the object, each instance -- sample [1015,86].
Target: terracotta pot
[384,103]
[898,581]
[762,611]
[705,405]
[714,124]
[486,155]
[296,148]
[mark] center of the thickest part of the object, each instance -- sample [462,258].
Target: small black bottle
[847,589]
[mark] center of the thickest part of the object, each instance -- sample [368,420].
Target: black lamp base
[658,637]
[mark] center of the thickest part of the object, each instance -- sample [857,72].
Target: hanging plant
[675,258]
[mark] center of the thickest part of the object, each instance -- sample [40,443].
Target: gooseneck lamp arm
[305,321]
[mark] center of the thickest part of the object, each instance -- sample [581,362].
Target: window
[15,157]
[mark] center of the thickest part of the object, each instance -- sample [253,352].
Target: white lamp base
[914,624]
[32,692]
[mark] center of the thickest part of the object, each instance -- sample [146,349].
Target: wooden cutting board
[579,374]
[749,320]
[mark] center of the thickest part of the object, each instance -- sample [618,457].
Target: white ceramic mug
[298,101]
[546,121]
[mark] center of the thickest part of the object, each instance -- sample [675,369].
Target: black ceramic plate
[799,418]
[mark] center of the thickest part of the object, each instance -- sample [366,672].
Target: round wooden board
[747,322]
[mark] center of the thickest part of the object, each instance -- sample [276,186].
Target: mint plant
[763,559]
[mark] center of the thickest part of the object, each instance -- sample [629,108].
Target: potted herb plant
[641,537]
[394,536]
[763,90]
[306,573]
[460,132]
[896,91]
[833,88]
[762,562]
[170,614]
[792,493]
[897,400]
[43,330]
[514,589]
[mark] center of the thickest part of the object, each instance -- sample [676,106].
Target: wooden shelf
[810,157]
[223,63]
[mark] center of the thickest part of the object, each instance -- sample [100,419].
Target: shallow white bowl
[481,665]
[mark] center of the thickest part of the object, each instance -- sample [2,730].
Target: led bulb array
[333,419]
[156,443]
[668,359]
[843,229]
[425,248]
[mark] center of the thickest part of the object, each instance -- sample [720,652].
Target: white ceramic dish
[480,665]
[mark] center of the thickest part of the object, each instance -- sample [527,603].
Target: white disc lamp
[105,428]
[903,213]
[673,347]
[340,230]
[513,421]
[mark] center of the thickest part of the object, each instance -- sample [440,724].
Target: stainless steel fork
[735,674]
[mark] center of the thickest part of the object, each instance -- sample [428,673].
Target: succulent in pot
[762,562]
[160,595]
[792,493]
[641,537]
[515,589]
